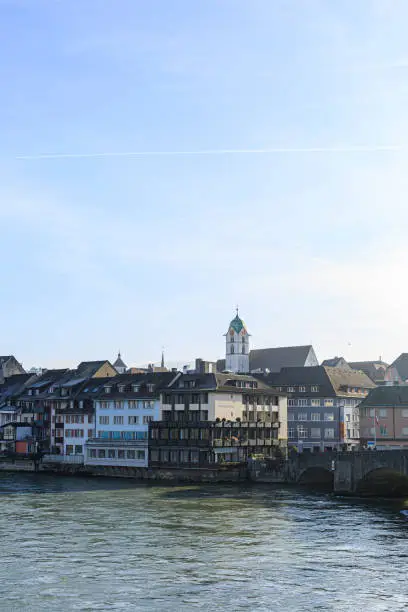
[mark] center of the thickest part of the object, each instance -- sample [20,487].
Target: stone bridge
[380,473]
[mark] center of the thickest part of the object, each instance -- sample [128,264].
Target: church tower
[237,346]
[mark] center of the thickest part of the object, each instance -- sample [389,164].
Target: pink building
[384,417]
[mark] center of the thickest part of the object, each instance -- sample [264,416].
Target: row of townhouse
[104,419]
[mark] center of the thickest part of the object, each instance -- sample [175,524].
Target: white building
[123,412]
[237,347]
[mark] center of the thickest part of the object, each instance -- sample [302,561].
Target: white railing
[63,459]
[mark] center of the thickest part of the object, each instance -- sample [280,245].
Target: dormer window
[135,388]
[121,388]
[51,390]
[30,392]
[150,388]
[37,392]
[108,389]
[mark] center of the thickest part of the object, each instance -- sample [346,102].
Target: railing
[78,459]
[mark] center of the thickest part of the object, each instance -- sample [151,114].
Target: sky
[161,162]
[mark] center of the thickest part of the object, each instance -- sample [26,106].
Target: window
[108,389]
[329,416]
[383,412]
[150,388]
[372,412]
[92,453]
[291,416]
[118,420]
[140,454]
[315,416]
[69,449]
[111,453]
[90,433]
[291,389]
[132,404]
[328,402]
[121,454]
[101,453]
[302,432]
[315,402]
[121,388]
[291,433]
[383,430]
[103,420]
[131,454]
[147,419]
[302,402]
[302,416]
[405,413]
[405,431]
[232,349]
[133,420]
[135,388]
[314,389]
[291,402]
[78,449]
[118,405]
[302,389]
[315,432]
[68,419]
[329,434]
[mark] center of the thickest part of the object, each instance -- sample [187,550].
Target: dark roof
[5,358]
[401,363]
[329,380]
[336,362]
[373,369]
[220,382]
[274,359]
[386,396]
[159,380]
[119,363]
[87,369]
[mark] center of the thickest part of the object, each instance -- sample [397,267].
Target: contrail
[267,151]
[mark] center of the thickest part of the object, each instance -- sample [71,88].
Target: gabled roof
[386,396]
[87,369]
[336,362]
[274,359]
[4,358]
[331,382]
[401,363]
[373,369]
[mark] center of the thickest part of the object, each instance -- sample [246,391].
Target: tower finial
[162,359]
[237,309]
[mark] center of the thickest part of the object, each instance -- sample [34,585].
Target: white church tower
[237,346]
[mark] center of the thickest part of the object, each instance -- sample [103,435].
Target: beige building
[384,417]
[207,418]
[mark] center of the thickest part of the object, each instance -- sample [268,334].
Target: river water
[90,544]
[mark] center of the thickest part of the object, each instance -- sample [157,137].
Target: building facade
[123,410]
[323,405]
[215,418]
[384,418]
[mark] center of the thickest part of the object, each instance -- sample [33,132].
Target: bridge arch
[383,482]
[317,476]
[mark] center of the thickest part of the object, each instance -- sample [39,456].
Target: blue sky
[145,251]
